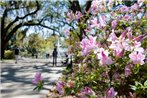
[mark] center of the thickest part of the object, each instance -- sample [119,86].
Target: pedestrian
[47,55]
[55,56]
[66,61]
[16,52]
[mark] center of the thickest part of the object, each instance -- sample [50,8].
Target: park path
[16,78]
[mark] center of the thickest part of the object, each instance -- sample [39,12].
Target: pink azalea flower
[104,58]
[139,49]
[86,91]
[95,6]
[66,31]
[114,24]
[116,76]
[92,40]
[118,54]
[101,20]
[124,9]
[116,46]
[126,45]
[137,58]
[140,2]
[70,16]
[112,36]
[70,84]
[84,43]
[95,23]
[101,7]
[118,18]
[111,93]
[130,35]
[94,9]
[60,87]
[137,44]
[88,44]
[134,7]
[104,74]
[110,3]
[127,71]
[78,15]
[123,35]
[127,17]
[37,78]
[138,38]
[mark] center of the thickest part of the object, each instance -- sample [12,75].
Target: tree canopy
[21,15]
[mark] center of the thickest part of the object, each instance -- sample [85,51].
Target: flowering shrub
[60,87]
[86,92]
[111,55]
[111,93]
[38,81]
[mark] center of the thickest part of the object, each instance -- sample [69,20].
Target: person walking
[16,52]
[55,56]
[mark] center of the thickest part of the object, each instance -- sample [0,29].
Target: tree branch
[88,5]
[28,23]
[17,18]
[75,6]
[34,12]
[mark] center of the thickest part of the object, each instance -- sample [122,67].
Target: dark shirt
[55,53]
[16,51]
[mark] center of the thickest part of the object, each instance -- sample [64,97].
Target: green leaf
[145,83]
[35,88]
[133,87]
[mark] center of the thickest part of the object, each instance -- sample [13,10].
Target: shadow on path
[16,78]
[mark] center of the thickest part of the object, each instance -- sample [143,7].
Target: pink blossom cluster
[103,56]
[88,44]
[37,78]
[73,16]
[86,92]
[98,6]
[119,45]
[66,32]
[128,71]
[98,22]
[122,44]
[91,44]
[111,93]
[60,87]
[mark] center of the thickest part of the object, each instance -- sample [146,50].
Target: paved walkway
[16,78]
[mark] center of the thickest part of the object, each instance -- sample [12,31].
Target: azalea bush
[111,55]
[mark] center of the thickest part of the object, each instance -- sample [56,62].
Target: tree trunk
[75,6]
[3,34]
[3,45]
